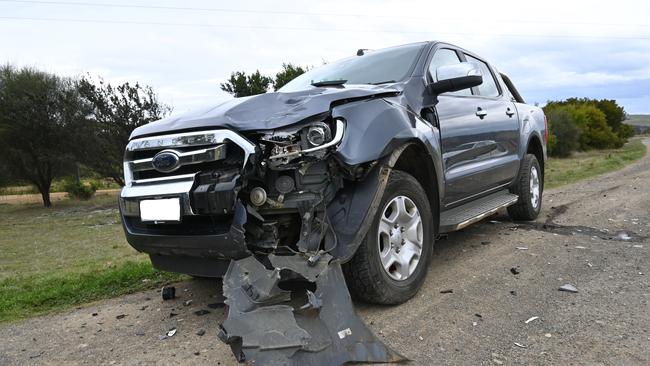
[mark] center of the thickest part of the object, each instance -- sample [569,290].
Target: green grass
[583,165]
[72,253]
[25,296]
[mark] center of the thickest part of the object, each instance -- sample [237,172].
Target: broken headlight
[310,140]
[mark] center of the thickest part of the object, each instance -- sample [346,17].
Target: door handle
[510,112]
[480,112]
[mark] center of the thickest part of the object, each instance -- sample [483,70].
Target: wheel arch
[415,160]
[535,147]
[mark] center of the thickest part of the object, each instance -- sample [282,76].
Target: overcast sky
[184,49]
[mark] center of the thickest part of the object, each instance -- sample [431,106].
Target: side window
[489,86]
[442,57]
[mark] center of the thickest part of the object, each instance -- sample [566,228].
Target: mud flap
[268,325]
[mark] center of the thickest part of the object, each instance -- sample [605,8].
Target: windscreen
[374,67]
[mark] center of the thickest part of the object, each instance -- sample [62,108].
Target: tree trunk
[45,193]
[119,180]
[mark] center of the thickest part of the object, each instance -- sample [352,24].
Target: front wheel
[391,263]
[529,187]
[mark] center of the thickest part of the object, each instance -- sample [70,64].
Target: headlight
[311,140]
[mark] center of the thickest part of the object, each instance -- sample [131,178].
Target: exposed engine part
[285,184]
[268,326]
[258,196]
[312,140]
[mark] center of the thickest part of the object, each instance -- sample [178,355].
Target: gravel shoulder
[593,235]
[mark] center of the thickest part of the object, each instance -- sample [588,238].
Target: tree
[116,112]
[288,73]
[242,85]
[614,115]
[565,135]
[42,126]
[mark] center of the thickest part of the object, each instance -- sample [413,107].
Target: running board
[471,212]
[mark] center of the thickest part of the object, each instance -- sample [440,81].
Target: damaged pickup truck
[357,165]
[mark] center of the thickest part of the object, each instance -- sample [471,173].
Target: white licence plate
[166,209]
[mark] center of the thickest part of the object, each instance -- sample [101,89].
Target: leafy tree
[42,126]
[116,112]
[288,73]
[242,85]
[565,134]
[614,115]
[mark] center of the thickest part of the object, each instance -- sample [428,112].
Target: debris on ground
[522,248]
[513,293]
[172,314]
[485,242]
[121,316]
[216,305]
[623,236]
[515,270]
[171,332]
[168,292]
[200,332]
[520,345]
[448,291]
[269,325]
[568,288]
[187,302]
[531,319]
[139,332]
[201,312]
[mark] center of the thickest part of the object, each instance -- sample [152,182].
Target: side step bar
[471,212]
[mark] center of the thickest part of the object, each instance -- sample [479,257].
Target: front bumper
[195,236]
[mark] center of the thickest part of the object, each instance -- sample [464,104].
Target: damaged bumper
[312,325]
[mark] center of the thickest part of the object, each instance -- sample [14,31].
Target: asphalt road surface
[593,235]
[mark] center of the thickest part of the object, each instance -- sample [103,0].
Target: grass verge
[73,253]
[33,295]
[588,164]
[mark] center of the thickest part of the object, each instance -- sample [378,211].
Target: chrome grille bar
[186,158]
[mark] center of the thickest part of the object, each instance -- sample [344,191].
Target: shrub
[565,134]
[79,190]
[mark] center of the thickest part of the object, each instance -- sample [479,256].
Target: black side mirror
[456,77]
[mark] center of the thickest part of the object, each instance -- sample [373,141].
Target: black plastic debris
[312,325]
[515,270]
[168,292]
[448,291]
[201,312]
[200,332]
[568,288]
[121,316]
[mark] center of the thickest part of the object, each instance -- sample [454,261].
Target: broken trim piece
[266,326]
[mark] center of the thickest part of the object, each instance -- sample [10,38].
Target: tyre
[529,187]
[391,262]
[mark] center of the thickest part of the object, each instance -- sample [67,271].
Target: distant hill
[641,122]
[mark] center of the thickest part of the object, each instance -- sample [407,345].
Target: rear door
[479,145]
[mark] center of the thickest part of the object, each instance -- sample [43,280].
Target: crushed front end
[211,196]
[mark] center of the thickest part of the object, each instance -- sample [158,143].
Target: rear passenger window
[489,86]
[443,57]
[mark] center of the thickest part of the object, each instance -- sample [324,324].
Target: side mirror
[456,77]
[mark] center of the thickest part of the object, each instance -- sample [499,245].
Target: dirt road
[593,235]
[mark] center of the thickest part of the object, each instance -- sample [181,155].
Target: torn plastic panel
[268,326]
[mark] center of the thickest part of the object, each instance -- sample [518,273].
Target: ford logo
[166,161]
